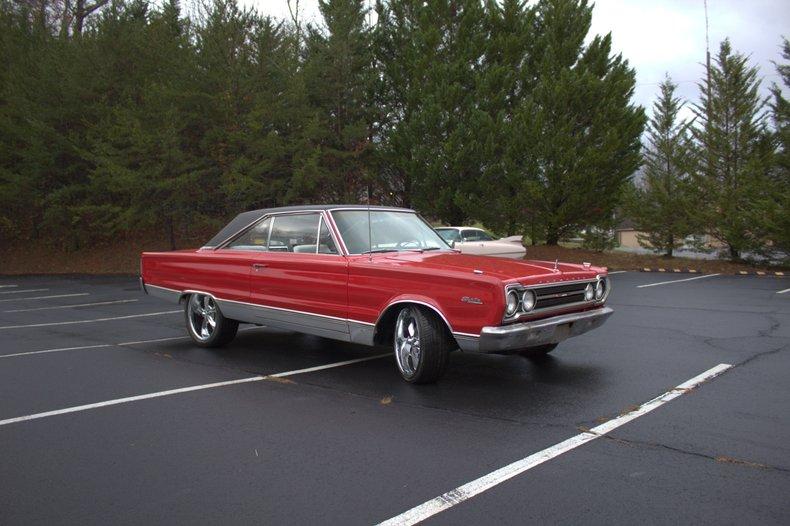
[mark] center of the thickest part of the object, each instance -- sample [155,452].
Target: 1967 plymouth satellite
[374,276]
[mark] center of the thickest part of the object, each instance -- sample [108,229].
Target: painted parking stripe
[486,482]
[74,306]
[7,286]
[783,291]
[617,272]
[106,345]
[676,281]
[22,291]
[49,297]
[76,322]
[159,394]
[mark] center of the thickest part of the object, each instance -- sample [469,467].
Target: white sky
[662,36]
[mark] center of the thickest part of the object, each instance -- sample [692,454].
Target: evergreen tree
[430,62]
[339,78]
[733,154]
[778,206]
[578,129]
[663,203]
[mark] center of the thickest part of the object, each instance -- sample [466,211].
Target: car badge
[474,301]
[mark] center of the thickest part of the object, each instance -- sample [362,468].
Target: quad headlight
[600,288]
[589,292]
[528,301]
[512,303]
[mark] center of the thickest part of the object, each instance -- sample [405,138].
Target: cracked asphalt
[354,444]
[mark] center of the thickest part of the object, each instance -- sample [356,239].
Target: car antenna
[370,231]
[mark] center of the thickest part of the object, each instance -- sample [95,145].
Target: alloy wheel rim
[407,343]
[202,316]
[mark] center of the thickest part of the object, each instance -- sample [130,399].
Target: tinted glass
[253,239]
[294,233]
[387,231]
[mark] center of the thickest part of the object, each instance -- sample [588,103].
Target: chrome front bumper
[518,336]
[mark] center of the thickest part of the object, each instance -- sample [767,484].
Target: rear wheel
[205,323]
[538,352]
[421,344]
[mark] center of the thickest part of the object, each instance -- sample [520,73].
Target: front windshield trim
[380,209]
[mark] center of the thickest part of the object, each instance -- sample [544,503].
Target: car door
[301,281]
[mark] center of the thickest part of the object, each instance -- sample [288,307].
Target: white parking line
[676,281]
[105,345]
[617,272]
[189,389]
[75,322]
[486,482]
[74,306]
[49,297]
[7,286]
[783,291]
[22,291]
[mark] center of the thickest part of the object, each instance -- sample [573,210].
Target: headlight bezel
[511,294]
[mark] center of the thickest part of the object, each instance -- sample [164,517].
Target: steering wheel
[409,244]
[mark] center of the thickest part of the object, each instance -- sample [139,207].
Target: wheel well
[385,327]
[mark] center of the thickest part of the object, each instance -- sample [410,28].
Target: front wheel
[205,323]
[421,344]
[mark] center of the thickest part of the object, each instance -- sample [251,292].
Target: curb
[778,274]
[671,270]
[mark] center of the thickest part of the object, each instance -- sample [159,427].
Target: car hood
[527,271]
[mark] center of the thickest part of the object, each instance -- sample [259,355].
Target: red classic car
[374,276]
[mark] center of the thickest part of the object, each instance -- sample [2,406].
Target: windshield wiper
[379,250]
[431,248]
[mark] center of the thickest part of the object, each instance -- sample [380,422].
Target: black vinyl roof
[246,218]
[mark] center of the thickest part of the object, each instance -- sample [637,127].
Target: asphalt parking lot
[92,431]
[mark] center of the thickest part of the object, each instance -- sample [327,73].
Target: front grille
[558,295]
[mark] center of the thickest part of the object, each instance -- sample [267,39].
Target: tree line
[723,173]
[119,116]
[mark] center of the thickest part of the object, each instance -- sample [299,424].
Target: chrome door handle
[258,266]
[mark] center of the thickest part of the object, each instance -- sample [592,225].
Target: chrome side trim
[171,295]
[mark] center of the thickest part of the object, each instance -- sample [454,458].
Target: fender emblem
[475,301]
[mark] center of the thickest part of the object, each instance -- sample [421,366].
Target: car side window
[296,233]
[475,235]
[326,245]
[256,238]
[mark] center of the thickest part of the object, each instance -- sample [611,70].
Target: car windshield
[388,231]
[449,234]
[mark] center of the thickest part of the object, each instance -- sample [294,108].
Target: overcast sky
[663,36]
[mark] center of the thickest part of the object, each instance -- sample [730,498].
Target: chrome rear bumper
[520,336]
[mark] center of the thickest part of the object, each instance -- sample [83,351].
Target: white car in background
[477,241]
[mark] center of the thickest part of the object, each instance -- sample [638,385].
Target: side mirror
[452,243]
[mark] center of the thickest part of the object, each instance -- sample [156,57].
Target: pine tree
[578,128]
[430,61]
[339,76]
[663,201]
[778,205]
[733,154]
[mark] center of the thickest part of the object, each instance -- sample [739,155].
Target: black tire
[434,344]
[199,311]
[538,352]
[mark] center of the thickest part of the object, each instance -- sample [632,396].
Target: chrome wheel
[407,343]
[202,316]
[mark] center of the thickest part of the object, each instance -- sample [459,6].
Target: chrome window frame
[322,214]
